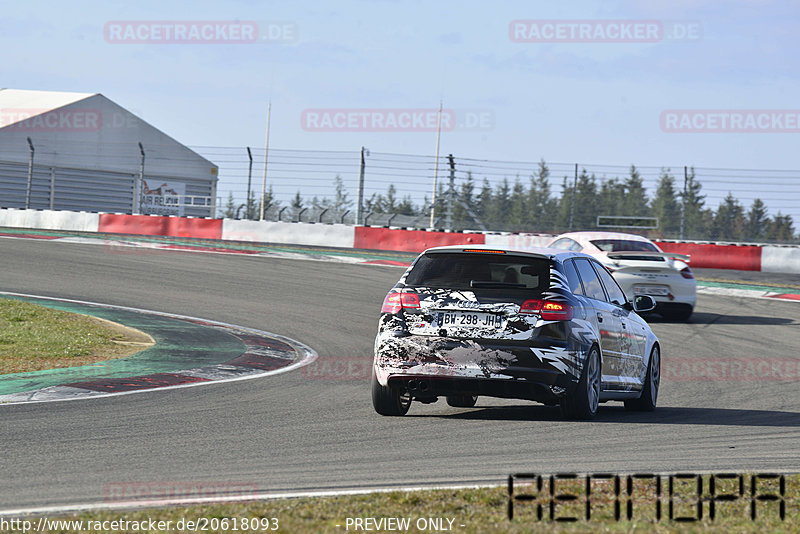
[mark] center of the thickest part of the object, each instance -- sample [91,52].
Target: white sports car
[640,268]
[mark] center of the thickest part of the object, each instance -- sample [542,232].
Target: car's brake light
[484,251]
[394,302]
[686,272]
[549,310]
[530,307]
[556,311]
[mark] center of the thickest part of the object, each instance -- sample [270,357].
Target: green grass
[33,337]
[478,511]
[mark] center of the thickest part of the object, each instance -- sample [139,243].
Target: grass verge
[475,511]
[34,338]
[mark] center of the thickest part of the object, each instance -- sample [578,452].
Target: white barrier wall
[321,235]
[775,259]
[518,240]
[75,221]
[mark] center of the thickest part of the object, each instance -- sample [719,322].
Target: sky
[515,77]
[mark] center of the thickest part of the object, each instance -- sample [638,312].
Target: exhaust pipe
[412,385]
[423,385]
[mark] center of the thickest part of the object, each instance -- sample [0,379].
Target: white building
[86,157]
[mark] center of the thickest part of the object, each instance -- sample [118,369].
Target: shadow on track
[705,318]
[617,414]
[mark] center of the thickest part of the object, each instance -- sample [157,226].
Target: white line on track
[190,501]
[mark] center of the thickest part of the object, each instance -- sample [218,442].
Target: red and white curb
[244,367]
[747,293]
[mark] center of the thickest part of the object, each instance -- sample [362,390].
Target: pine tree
[341,202]
[464,199]
[729,220]
[406,206]
[665,206]
[518,211]
[610,199]
[374,204]
[297,205]
[757,221]
[564,206]
[269,202]
[541,205]
[781,228]
[634,203]
[695,217]
[586,205]
[230,207]
[484,203]
[390,205]
[500,205]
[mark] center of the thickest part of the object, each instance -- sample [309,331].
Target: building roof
[18,104]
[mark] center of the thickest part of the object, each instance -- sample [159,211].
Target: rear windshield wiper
[491,284]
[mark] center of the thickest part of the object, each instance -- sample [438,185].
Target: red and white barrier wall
[745,257]
[110,223]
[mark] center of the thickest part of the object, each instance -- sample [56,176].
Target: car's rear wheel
[388,400]
[462,401]
[647,402]
[584,400]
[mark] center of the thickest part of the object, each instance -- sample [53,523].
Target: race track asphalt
[304,430]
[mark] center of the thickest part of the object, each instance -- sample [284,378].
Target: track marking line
[190,501]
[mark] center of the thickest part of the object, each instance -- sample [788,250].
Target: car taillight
[686,272]
[394,302]
[548,309]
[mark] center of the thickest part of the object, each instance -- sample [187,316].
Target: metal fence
[314,175]
[397,189]
[75,189]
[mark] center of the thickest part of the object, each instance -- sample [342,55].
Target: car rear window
[624,245]
[480,271]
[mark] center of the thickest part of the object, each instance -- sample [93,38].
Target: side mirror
[644,303]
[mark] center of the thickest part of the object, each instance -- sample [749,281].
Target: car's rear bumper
[678,291]
[433,366]
[425,386]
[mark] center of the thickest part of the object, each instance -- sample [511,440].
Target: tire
[389,400]
[652,381]
[462,401]
[583,402]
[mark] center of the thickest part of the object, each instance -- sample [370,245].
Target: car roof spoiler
[621,254]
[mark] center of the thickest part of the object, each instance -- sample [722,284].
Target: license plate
[469,320]
[651,290]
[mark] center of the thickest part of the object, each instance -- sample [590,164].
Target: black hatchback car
[545,325]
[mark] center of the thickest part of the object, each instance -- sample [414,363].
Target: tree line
[530,205]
